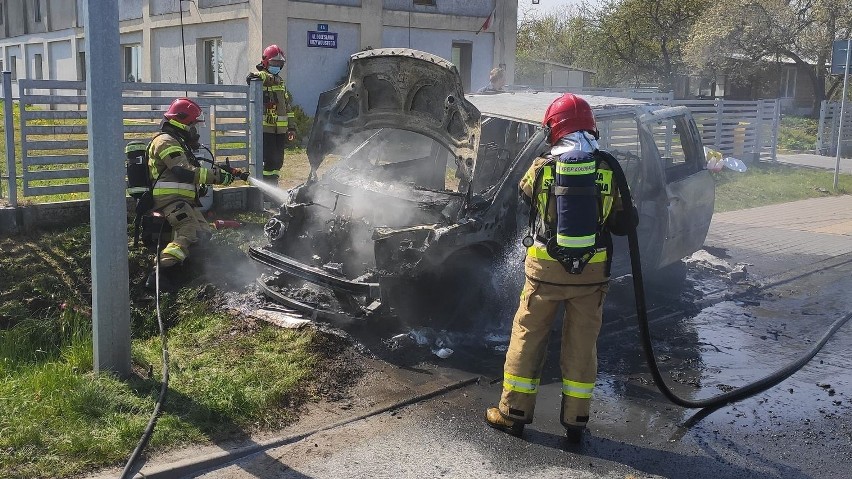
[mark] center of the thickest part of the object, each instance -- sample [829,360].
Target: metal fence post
[255,127]
[820,145]
[758,130]
[9,124]
[108,211]
[720,105]
[776,122]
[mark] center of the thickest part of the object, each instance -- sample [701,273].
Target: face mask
[274,70]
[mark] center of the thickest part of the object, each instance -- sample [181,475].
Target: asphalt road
[739,333]
[711,333]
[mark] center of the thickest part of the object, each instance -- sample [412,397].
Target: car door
[689,188]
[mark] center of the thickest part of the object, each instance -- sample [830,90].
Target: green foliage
[766,184]
[644,39]
[623,41]
[797,134]
[764,32]
[303,125]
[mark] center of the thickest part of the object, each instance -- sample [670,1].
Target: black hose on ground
[734,395]
[164,387]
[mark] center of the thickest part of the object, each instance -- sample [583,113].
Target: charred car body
[422,196]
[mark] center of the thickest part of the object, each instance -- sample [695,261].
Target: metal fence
[54,140]
[54,121]
[747,130]
[827,132]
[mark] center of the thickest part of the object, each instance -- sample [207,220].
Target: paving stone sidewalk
[782,237]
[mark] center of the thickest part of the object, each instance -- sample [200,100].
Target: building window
[788,83]
[428,3]
[2,10]
[37,11]
[38,73]
[13,66]
[213,64]
[132,63]
[81,66]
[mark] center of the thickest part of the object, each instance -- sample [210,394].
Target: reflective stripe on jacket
[276,101]
[165,154]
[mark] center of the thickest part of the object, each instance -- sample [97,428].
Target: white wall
[313,70]
[440,42]
[63,64]
[167,55]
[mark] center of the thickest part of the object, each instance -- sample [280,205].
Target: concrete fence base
[26,219]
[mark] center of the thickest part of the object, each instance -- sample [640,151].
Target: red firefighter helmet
[185,112]
[567,114]
[272,52]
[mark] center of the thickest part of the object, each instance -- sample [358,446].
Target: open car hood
[397,88]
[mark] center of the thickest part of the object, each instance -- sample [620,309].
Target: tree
[740,37]
[644,39]
[561,37]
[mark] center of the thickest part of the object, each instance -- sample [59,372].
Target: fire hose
[164,385]
[713,402]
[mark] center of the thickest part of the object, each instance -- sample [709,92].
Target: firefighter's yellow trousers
[528,347]
[188,227]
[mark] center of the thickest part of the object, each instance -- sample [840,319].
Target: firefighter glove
[240,174]
[225,177]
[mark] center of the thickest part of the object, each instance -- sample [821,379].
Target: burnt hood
[397,88]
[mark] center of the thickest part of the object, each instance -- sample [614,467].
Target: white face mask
[579,140]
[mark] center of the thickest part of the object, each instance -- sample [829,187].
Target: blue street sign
[838,57]
[322,27]
[322,39]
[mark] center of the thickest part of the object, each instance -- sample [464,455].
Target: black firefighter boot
[168,281]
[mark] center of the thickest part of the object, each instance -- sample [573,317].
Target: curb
[186,467]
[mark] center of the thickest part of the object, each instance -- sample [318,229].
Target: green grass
[766,184]
[229,376]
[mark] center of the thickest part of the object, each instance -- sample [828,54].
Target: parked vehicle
[422,198]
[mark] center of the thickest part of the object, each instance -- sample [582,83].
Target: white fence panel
[829,122]
[54,137]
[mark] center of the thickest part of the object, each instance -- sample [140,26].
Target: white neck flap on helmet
[579,140]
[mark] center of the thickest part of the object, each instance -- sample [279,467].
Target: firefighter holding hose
[574,207]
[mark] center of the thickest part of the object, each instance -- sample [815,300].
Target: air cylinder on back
[576,203]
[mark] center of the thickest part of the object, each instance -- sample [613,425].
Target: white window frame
[212,55]
[132,65]
[38,67]
[788,86]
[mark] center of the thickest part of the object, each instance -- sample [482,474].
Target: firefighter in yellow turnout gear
[278,119]
[549,283]
[178,177]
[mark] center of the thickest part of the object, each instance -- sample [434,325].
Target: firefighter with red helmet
[278,119]
[177,176]
[573,208]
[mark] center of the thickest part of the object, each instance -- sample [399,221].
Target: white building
[223,39]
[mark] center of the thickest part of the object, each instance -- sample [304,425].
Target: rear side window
[676,140]
[620,137]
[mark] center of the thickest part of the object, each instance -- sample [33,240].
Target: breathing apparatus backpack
[147,224]
[579,209]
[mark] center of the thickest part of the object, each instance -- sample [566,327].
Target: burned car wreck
[421,201]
